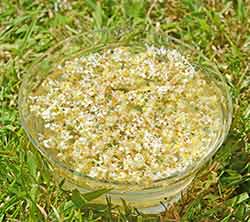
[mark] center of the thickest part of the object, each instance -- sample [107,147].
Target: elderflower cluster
[127,115]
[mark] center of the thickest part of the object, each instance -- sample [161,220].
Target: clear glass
[147,198]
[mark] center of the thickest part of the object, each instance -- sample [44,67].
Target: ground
[219,28]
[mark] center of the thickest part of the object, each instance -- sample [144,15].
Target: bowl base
[154,204]
[163,206]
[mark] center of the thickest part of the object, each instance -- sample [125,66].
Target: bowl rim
[172,178]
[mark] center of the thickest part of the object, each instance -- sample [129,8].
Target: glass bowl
[145,197]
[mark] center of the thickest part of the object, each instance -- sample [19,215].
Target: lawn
[219,28]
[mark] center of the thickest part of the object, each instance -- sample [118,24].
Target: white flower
[49,143]
[138,160]
[93,172]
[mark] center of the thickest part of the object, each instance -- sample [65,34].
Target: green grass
[221,29]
